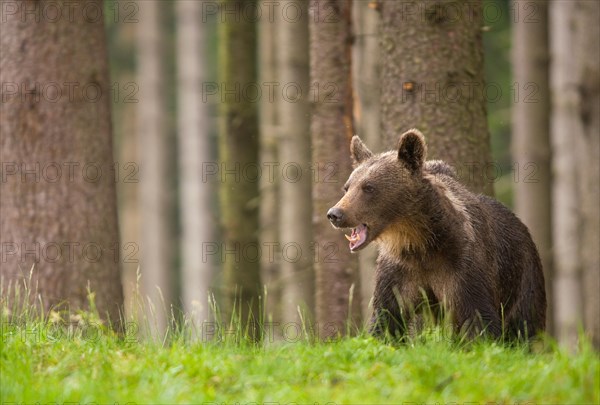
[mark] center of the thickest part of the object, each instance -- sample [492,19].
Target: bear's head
[384,194]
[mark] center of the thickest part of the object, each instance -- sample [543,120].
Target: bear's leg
[474,314]
[394,300]
[528,317]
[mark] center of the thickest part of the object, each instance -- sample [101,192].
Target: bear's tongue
[357,237]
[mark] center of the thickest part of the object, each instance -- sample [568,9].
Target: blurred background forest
[219,156]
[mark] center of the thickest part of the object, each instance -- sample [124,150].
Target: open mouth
[358,237]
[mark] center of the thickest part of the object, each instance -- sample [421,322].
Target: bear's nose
[335,215]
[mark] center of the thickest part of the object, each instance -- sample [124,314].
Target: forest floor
[42,363]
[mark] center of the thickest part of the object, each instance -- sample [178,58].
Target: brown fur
[440,244]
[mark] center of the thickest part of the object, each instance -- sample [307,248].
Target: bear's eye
[345,189]
[368,188]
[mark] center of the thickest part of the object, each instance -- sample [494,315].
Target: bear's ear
[359,151]
[412,150]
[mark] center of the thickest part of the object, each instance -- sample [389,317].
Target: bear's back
[501,246]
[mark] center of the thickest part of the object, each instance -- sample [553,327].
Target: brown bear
[441,246]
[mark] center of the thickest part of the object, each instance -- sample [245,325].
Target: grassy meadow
[49,359]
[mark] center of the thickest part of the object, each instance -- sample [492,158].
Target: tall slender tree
[574,133]
[337,281]
[366,69]
[432,79]
[121,40]
[588,55]
[294,159]
[531,132]
[198,222]
[238,152]
[152,145]
[269,181]
[58,198]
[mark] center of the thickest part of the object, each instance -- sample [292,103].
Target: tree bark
[152,144]
[238,151]
[367,115]
[337,281]
[58,203]
[197,221]
[432,78]
[295,206]
[531,133]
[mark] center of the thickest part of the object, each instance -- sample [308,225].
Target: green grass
[58,357]
[44,364]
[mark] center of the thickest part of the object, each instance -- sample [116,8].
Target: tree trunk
[588,72]
[197,220]
[574,129]
[295,206]
[58,177]
[367,116]
[122,39]
[152,143]
[238,151]
[531,134]
[337,281]
[269,182]
[566,135]
[432,78]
